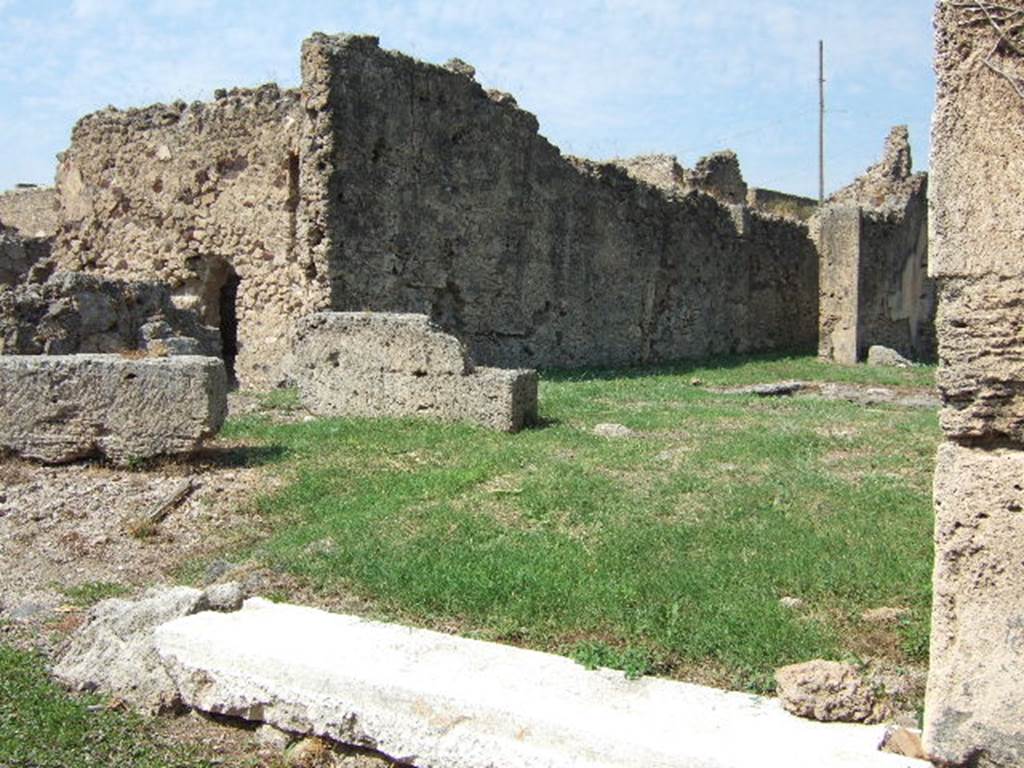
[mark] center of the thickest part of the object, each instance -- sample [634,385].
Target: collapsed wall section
[975,693]
[71,312]
[435,196]
[203,197]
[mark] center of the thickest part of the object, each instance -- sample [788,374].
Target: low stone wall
[32,211]
[60,408]
[74,312]
[370,364]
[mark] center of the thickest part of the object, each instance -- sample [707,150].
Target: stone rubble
[114,653]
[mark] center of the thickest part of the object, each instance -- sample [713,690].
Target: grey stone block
[380,364]
[59,408]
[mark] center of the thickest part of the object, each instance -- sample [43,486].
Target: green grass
[43,727]
[91,592]
[667,552]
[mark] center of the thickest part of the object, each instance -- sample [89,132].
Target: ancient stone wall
[874,283]
[440,197]
[781,203]
[32,211]
[203,197]
[717,174]
[975,687]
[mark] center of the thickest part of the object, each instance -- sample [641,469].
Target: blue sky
[608,78]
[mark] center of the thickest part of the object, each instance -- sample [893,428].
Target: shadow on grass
[541,422]
[236,456]
[680,368]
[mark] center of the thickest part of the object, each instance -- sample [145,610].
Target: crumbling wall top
[889,183]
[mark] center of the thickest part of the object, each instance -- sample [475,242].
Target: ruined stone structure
[22,257]
[873,239]
[976,678]
[60,408]
[70,312]
[204,198]
[392,185]
[30,210]
[374,364]
[718,175]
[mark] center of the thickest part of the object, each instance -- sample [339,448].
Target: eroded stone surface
[114,652]
[379,364]
[975,684]
[31,211]
[827,691]
[72,312]
[428,699]
[974,697]
[58,408]
[981,379]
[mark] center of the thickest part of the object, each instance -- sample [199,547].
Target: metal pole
[821,121]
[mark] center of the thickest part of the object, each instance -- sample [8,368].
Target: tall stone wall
[874,283]
[32,211]
[975,691]
[392,185]
[440,197]
[203,197]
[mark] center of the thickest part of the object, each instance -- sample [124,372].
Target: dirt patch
[68,527]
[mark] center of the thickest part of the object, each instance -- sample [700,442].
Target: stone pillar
[839,241]
[974,709]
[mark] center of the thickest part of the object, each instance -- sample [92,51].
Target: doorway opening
[228,323]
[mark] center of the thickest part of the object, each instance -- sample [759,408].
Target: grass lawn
[666,552]
[43,727]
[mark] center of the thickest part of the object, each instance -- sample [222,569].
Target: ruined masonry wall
[31,211]
[184,194]
[438,197]
[874,283]
[975,693]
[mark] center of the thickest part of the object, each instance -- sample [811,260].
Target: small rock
[218,568]
[613,431]
[696,382]
[879,355]
[905,742]
[28,611]
[224,597]
[272,738]
[309,753]
[791,602]
[827,691]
